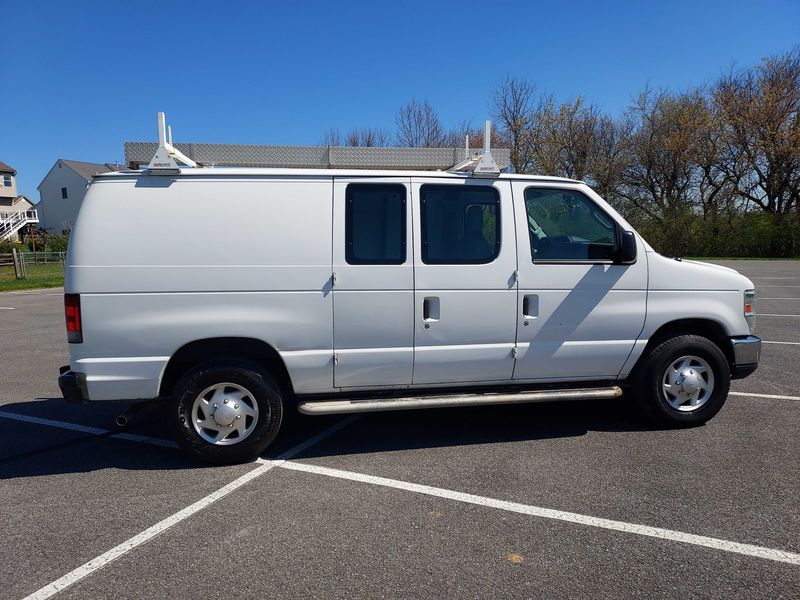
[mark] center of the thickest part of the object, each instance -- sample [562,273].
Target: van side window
[564,225]
[375,224]
[460,224]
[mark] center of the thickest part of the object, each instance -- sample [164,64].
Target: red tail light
[72,312]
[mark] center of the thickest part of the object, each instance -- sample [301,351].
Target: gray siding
[55,212]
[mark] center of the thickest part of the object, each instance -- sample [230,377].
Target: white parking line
[132,437]
[770,396]
[784,343]
[145,536]
[775,315]
[778,286]
[778,298]
[7,308]
[548,513]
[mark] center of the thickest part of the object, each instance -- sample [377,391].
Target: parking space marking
[778,298]
[7,308]
[775,315]
[101,561]
[131,437]
[548,513]
[769,396]
[785,343]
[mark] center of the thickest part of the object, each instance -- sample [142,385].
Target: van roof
[276,172]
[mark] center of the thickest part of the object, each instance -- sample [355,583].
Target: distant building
[9,199]
[62,190]
[15,209]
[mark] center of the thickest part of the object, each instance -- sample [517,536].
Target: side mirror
[627,250]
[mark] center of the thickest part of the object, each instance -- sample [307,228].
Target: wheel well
[707,328]
[200,351]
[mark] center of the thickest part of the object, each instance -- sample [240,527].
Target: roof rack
[165,160]
[481,164]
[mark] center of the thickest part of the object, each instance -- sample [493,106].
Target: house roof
[87,170]
[4,168]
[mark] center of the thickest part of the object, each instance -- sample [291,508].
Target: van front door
[580,312]
[373,297]
[465,293]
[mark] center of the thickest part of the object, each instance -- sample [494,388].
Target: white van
[234,294]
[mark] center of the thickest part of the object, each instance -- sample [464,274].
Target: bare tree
[331,137]
[759,110]
[456,137]
[418,126]
[513,108]
[610,157]
[364,136]
[661,175]
[577,140]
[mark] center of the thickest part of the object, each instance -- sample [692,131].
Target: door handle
[430,308]
[530,306]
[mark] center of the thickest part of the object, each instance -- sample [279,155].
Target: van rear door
[373,297]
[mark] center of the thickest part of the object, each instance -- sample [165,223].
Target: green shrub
[6,246]
[57,243]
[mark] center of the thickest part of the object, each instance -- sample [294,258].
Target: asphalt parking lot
[551,500]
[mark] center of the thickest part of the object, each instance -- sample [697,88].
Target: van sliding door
[465,288]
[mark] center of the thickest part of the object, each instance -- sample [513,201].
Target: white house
[62,190]
[15,210]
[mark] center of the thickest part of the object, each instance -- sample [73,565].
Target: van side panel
[688,290]
[162,262]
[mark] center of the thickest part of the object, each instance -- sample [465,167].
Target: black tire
[647,383]
[260,385]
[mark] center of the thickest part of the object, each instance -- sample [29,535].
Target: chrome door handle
[430,309]
[530,306]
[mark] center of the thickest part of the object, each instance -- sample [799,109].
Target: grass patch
[39,276]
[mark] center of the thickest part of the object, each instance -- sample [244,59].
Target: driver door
[580,312]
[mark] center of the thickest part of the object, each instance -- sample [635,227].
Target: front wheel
[226,413]
[683,382]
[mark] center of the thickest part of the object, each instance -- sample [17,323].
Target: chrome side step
[334,407]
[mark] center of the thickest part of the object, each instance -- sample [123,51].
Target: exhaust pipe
[125,418]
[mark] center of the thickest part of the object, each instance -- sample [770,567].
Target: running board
[337,407]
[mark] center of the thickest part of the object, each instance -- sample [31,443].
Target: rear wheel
[224,412]
[683,382]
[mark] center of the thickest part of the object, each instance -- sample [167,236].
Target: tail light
[72,312]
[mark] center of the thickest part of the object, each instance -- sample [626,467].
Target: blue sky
[80,77]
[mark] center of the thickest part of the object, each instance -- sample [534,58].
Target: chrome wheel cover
[224,414]
[688,383]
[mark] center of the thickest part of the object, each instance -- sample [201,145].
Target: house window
[375,224]
[64,193]
[7,180]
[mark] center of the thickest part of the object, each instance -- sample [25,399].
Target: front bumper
[72,385]
[746,354]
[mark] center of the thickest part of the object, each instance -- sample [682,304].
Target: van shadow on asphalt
[30,450]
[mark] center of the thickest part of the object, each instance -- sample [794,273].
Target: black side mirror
[627,250]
